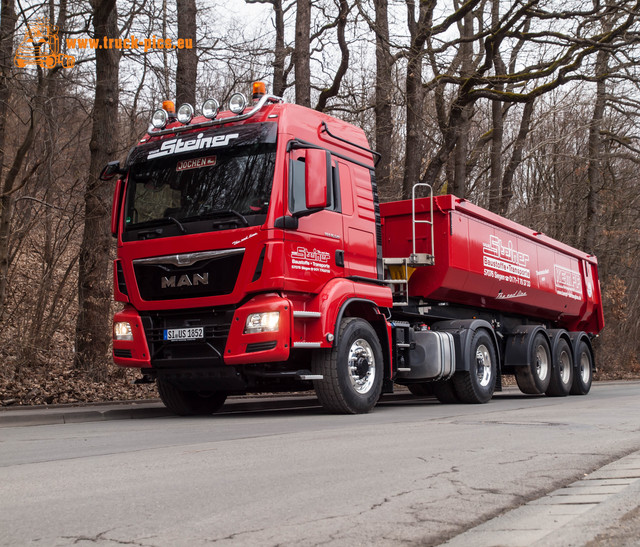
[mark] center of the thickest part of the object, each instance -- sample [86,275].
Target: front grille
[206,351]
[166,278]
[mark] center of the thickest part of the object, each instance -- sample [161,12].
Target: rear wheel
[584,370]
[534,378]
[478,384]
[561,371]
[189,403]
[352,370]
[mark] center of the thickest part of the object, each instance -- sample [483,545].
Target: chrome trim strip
[307,344]
[187,259]
[309,314]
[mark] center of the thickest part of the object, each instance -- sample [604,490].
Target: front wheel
[352,370]
[189,403]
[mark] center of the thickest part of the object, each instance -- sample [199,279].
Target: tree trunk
[594,172]
[414,141]
[506,192]
[94,289]
[7,31]
[461,151]
[333,90]
[301,53]
[187,68]
[384,92]
[280,52]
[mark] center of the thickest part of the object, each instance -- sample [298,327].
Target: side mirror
[318,175]
[111,170]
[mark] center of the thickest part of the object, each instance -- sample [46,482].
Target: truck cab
[245,240]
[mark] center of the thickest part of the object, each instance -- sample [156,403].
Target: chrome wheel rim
[585,367]
[483,365]
[565,368]
[362,366]
[542,362]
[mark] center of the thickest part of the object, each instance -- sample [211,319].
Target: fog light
[122,331]
[262,322]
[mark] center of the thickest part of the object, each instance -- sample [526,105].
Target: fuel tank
[483,260]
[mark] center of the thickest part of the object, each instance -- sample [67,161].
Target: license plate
[193,333]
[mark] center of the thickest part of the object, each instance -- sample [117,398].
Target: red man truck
[254,256]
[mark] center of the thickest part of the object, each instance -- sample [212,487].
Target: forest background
[529,108]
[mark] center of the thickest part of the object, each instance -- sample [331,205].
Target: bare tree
[301,53]
[94,289]
[187,69]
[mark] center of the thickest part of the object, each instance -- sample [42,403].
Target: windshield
[215,189]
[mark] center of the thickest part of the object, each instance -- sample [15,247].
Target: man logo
[184,281]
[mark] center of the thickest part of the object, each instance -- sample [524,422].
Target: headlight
[262,322]
[122,331]
[237,103]
[185,113]
[160,118]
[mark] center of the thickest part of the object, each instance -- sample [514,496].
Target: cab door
[314,251]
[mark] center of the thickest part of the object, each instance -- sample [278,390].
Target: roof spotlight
[185,113]
[237,103]
[210,109]
[160,118]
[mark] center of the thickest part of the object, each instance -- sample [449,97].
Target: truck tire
[561,371]
[352,369]
[477,385]
[583,374]
[189,403]
[534,378]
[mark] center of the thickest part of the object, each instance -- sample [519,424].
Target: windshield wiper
[179,224]
[228,213]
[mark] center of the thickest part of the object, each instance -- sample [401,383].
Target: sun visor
[201,141]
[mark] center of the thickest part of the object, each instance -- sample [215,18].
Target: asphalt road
[517,471]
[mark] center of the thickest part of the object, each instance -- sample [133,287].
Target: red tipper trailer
[253,255]
[486,261]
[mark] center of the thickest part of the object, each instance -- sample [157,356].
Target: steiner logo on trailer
[179,146]
[504,263]
[310,261]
